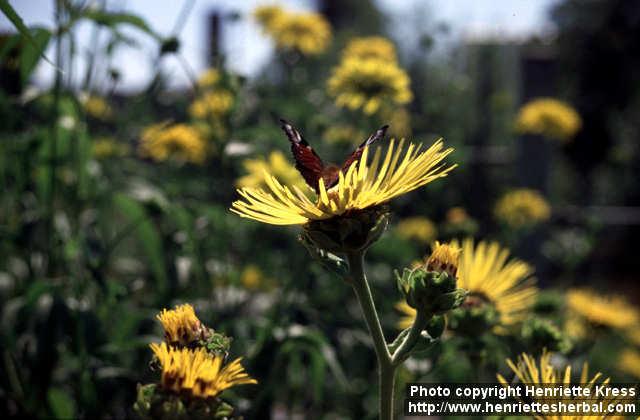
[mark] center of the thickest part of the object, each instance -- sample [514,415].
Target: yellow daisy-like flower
[544,373]
[364,185]
[277,165]
[486,272]
[548,117]
[409,315]
[214,104]
[180,141]
[196,373]
[522,207]
[629,362]
[96,107]
[105,147]
[309,33]
[368,84]
[603,310]
[346,134]
[370,47]
[181,325]
[444,257]
[419,229]
[209,78]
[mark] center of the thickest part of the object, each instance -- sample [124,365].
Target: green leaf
[61,403]
[112,20]
[31,53]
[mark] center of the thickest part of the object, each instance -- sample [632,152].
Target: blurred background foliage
[115,205]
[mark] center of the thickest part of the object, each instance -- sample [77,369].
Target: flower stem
[386,370]
[419,324]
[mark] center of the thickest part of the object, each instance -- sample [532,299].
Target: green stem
[386,370]
[419,324]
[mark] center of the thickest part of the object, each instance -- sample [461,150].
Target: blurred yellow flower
[213,104]
[345,134]
[486,272]
[633,335]
[544,373]
[602,310]
[399,120]
[105,147]
[309,33]
[409,315]
[209,78]
[180,141]
[277,165]
[181,325]
[96,107]
[364,185]
[419,229]
[548,117]
[370,47]
[575,327]
[368,84]
[251,277]
[629,362]
[456,215]
[196,373]
[522,207]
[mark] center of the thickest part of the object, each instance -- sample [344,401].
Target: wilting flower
[309,33]
[213,104]
[180,141]
[196,373]
[603,310]
[548,117]
[277,165]
[181,325]
[209,78]
[544,373]
[629,362]
[420,229]
[522,207]
[368,84]
[105,147]
[96,107]
[370,47]
[363,186]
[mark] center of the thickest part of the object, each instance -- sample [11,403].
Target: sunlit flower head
[96,107]
[181,325]
[209,78]
[308,33]
[370,47]
[364,185]
[276,165]
[543,372]
[197,373]
[522,207]
[550,118]
[368,84]
[444,257]
[178,141]
[601,309]
[419,229]
[106,147]
[486,271]
[629,362]
[214,104]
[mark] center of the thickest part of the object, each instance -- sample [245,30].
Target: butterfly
[312,167]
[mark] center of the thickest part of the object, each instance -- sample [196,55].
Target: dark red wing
[358,152]
[307,160]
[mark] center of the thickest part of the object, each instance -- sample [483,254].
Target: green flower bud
[474,318]
[539,334]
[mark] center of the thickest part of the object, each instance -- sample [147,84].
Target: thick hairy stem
[411,339]
[386,370]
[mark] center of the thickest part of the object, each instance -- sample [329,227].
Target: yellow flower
[629,362]
[548,117]
[575,327]
[104,147]
[633,335]
[346,134]
[486,272]
[209,78]
[444,257]
[251,277]
[368,84]
[277,165]
[97,107]
[544,373]
[214,104]
[181,325]
[399,121]
[309,33]
[409,315]
[364,185]
[456,215]
[370,47]
[420,229]
[522,207]
[196,373]
[183,142]
[605,310]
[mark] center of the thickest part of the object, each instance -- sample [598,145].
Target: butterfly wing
[358,152]
[307,160]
